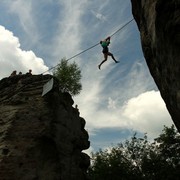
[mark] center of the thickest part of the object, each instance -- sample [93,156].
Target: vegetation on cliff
[69,76]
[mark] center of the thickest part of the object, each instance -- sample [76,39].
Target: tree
[69,76]
[139,159]
[169,149]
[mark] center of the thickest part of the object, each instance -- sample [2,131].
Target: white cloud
[70,29]
[111,103]
[99,15]
[12,57]
[145,113]
[24,11]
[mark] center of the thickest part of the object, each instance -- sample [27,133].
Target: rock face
[159,25]
[41,138]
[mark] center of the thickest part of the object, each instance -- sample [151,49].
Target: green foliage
[138,159]
[69,76]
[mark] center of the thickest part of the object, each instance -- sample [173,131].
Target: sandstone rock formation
[159,25]
[41,138]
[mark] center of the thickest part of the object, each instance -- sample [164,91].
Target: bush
[69,76]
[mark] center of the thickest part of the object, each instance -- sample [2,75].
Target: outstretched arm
[108,38]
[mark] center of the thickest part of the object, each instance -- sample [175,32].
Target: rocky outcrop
[41,138]
[159,25]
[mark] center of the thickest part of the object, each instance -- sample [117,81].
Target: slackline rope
[91,46]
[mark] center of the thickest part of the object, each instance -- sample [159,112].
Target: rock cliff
[41,138]
[159,25]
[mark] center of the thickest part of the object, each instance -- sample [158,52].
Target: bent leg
[110,54]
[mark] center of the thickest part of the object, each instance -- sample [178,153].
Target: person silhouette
[13,73]
[105,43]
[29,72]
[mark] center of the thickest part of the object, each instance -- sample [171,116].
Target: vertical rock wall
[159,25]
[41,138]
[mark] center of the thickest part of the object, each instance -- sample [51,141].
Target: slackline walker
[103,43]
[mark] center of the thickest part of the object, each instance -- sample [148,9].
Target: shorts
[105,50]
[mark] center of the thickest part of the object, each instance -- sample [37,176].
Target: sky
[116,101]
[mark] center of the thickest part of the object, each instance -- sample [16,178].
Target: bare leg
[110,54]
[105,59]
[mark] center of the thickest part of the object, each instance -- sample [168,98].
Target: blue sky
[117,100]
